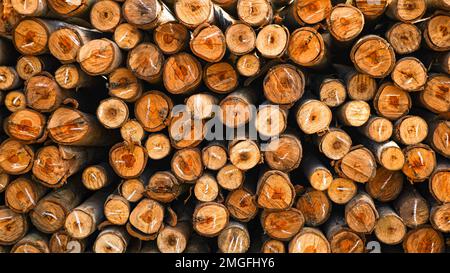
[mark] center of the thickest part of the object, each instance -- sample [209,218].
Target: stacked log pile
[351,140]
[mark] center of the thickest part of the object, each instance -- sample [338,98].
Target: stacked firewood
[349,101]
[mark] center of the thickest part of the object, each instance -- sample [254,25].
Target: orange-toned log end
[424,240]
[152,110]
[241,204]
[282,225]
[182,73]
[309,240]
[210,218]
[315,206]
[171,37]
[208,43]
[128,160]
[146,62]
[386,185]
[187,164]
[26,125]
[147,216]
[275,191]
[420,162]
[15,157]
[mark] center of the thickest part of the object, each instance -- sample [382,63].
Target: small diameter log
[15,157]
[43,93]
[342,190]
[70,76]
[248,65]
[371,10]
[360,86]
[434,96]
[208,43]
[112,113]
[146,62]
[220,77]
[105,15]
[9,78]
[390,228]
[193,13]
[171,37]
[128,160]
[420,162]
[271,120]
[132,189]
[235,238]
[61,242]
[341,238]
[158,146]
[13,226]
[358,165]
[240,39]
[439,136]
[275,191]
[309,240]
[206,188]
[388,154]
[386,185]
[434,33]
[439,182]
[98,176]
[406,10]
[209,219]
[83,220]
[315,206]
[424,240]
[185,130]
[182,73]
[71,8]
[187,164]
[439,216]
[313,116]
[112,239]
[99,57]
[28,66]
[345,22]
[377,129]
[391,102]
[315,171]
[241,204]
[132,132]
[33,242]
[373,55]
[25,125]
[283,153]
[163,187]
[307,48]
[334,143]
[284,84]
[31,35]
[282,225]
[405,38]
[410,130]
[244,153]
[214,156]
[273,246]
[272,41]
[236,109]
[409,74]
[124,85]
[15,101]
[127,36]
[51,211]
[332,92]
[174,239]
[72,127]
[412,207]
[117,209]
[256,13]
[54,164]
[361,214]
[230,177]
[146,14]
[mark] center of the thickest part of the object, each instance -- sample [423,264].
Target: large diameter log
[435,34]
[174,239]
[99,57]
[361,214]
[307,48]
[386,185]
[83,220]
[13,226]
[434,96]
[409,74]
[283,153]
[392,102]
[373,55]
[275,191]
[410,130]
[210,218]
[439,182]
[128,160]
[158,146]
[105,15]
[341,238]
[193,13]
[284,84]
[234,238]
[71,8]
[43,93]
[315,206]
[146,62]
[313,116]
[420,162]
[9,79]
[69,126]
[26,125]
[405,38]
[182,73]
[22,194]
[389,228]
[61,242]
[230,177]
[341,190]
[255,13]
[220,77]
[412,208]
[406,10]
[358,165]
[186,164]
[171,37]
[241,204]
[117,209]
[51,211]
[282,225]
[112,239]
[15,157]
[424,240]
[206,188]
[309,240]
[208,43]
[240,39]
[163,186]
[345,22]
[33,242]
